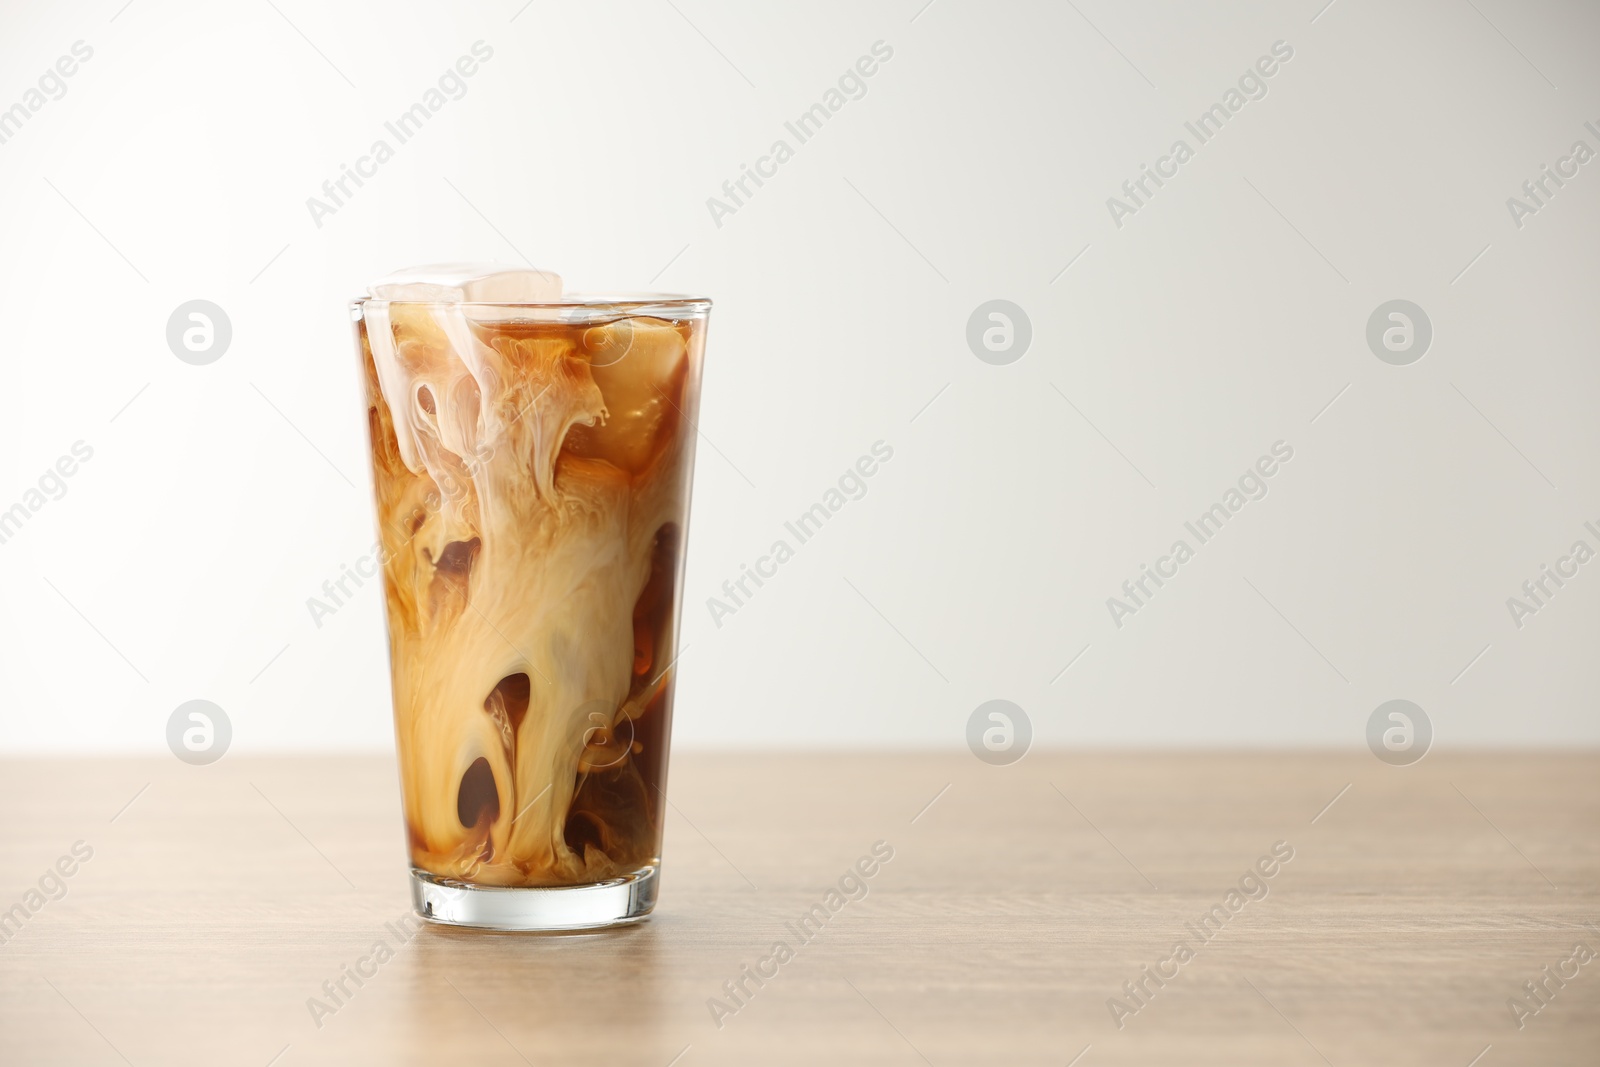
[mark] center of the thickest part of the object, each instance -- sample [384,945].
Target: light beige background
[1223,317]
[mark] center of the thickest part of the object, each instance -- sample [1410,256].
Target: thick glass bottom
[489,907]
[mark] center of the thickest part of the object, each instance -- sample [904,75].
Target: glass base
[491,907]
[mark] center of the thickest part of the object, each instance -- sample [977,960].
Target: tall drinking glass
[531,466]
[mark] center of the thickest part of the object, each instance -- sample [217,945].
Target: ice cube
[470,283]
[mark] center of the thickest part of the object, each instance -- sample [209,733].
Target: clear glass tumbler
[531,467]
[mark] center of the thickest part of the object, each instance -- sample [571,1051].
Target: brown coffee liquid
[531,482]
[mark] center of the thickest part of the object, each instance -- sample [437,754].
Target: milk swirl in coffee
[531,455]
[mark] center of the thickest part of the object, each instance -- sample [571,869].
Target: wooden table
[1019,899]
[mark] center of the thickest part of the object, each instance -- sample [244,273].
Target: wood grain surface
[1019,900]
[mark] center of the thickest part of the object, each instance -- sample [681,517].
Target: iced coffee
[531,460]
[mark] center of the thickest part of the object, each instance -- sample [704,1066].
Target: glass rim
[622,302]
